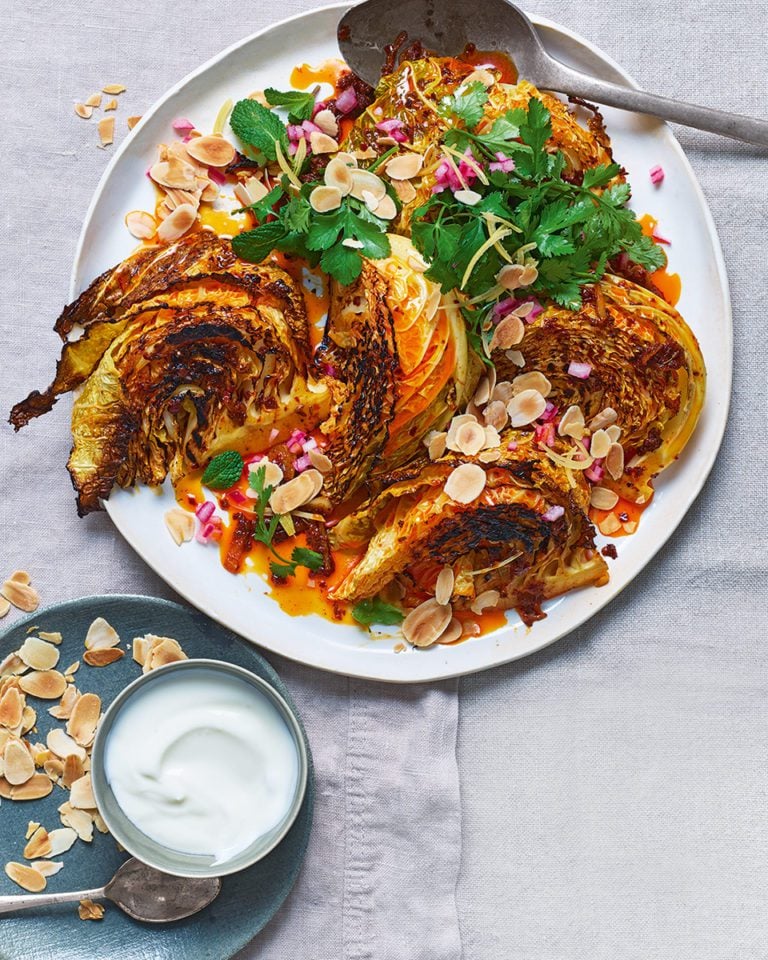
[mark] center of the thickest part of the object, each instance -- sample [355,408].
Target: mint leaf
[466,104]
[375,610]
[324,230]
[300,105]
[256,245]
[223,471]
[259,127]
[343,264]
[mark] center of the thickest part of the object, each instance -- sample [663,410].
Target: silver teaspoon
[447,26]
[141,891]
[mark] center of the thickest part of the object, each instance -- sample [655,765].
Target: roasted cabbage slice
[398,349]
[644,363]
[504,540]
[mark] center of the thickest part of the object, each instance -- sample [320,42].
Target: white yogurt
[202,762]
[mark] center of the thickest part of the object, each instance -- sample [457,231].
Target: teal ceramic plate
[248,900]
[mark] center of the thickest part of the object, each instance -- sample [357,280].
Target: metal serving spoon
[141,891]
[447,26]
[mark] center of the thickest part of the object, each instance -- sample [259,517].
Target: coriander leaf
[223,471]
[259,127]
[600,175]
[375,610]
[647,253]
[255,245]
[324,230]
[282,570]
[304,557]
[617,195]
[342,263]
[296,214]
[370,232]
[300,105]
[466,104]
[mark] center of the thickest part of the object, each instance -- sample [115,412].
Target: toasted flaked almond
[12,666]
[405,190]
[174,173]
[18,765]
[525,407]
[35,788]
[492,436]
[485,601]
[141,224]
[45,684]
[81,794]
[72,669]
[101,634]
[386,209]
[5,606]
[338,174]
[81,726]
[38,654]
[470,438]
[88,910]
[489,456]
[6,790]
[444,585]
[61,839]
[465,483]
[614,432]
[81,821]
[495,414]
[572,423]
[322,143]
[103,657]
[324,199]
[132,121]
[163,650]
[40,754]
[54,768]
[482,391]
[273,472]
[425,623]
[327,122]
[508,332]
[516,357]
[510,276]
[83,111]
[47,868]
[599,444]
[94,100]
[529,275]
[11,708]
[39,845]
[405,167]
[320,461]
[107,131]
[436,444]
[21,595]
[603,499]
[534,380]
[211,151]
[177,223]
[61,744]
[614,461]
[110,105]
[603,419]
[63,709]
[114,89]
[21,576]
[480,75]
[610,524]
[98,822]
[453,426]
[140,648]
[50,636]
[28,719]
[26,877]
[73,770]
[31,827]
[365,181]
[180,525]
[295,493]
[451,633]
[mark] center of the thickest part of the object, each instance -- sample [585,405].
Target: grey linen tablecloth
[613,787]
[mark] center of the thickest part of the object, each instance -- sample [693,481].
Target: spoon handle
[734,125]
[31,900]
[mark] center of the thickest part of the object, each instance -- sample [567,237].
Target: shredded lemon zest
[568,462]
[285,166]
[452,164]
[494,238]
[496,566]
[470,162]
[300,155]
[222,116]
[495,218]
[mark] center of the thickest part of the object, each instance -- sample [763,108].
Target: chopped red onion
[554,513]
[302,463]
[346,100]
[596,472]
[182,125]
[580,371]
[657,175]
[205,511]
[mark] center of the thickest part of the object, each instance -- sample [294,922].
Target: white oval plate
[266,59]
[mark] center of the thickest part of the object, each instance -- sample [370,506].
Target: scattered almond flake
[103,657]
[404,167]
[525,407]
[5,606]
[31,827]
[11,708]
[495,414]
[211,151]
[44,684]
[614,432]
[534,380]
[35,788]
[18,764]
[63,709]
[82,724]
[94,100]
[470,628]
[603,419]
[81,821]
[162,653]
[21,576]
[72,669]
[489,456]
[141,224]
[177,223]
[444,586]
[21,595]
[38,654]
[509,332]
[516,357]
[61,840]
[465,483]
[81,794]
[610,525]
[12,666]
[425,623]
[107,131]
[510,276]
[40,754]
[572,423]
[614,461]
[88,910]
[140,649]
[320,461]
[47,868]
[482,391]
[28,719]
[436,444]
[51,637]
[110,105]
[322,143]
[600,444]
[453,426]
[296,492]
[101,634]
[26,877]
[180,524]
[399,648]
[98,822]
[63,745]
[54,769]
[73,770]
[114,89]
[326,120]
[603,499]
[6,790]
[484,601]
[451,633]
[83,111]
[405,190]
[132,121]
[273,472]
[38,845]
[470,438]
